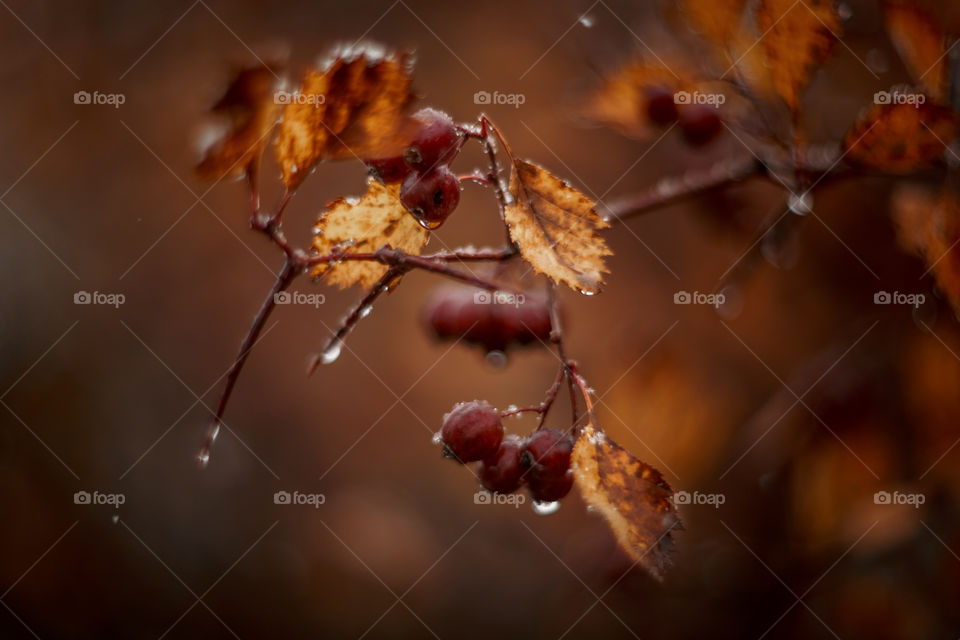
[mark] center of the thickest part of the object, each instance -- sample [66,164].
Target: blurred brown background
[104,399]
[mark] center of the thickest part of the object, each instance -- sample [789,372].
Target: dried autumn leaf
[922,45]
[353,107]
[716,21]
[900,137]
[555,226]
[632,496]
[797,37]
[929,226]
[620,102]
[249,107]
[361,226]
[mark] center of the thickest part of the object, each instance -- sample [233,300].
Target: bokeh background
[106,399]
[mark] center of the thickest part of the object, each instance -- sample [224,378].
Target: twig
[556,337]
[287,274]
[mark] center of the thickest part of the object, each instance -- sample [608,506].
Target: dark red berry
[471,431]
[389,170]
[661,107]
[699,123]
[435,143]
[432,196]
[496,322]
[502,472]
[546,458]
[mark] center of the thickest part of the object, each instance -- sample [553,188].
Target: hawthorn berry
[389,170]
[471,431]
[432,196]
[473,315]
[502,472]
[661,106]
[435,143]
[699,123]
[546,458]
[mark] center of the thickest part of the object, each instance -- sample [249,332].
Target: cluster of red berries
[473,432]
[428,190]
[700,123]
[494,321]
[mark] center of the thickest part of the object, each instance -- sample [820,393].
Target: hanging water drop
[437,438]
[545,508]
[800,205]
[332,352]
[496,359]
[365,311]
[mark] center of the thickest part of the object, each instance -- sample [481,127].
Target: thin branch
[556,337]
[355,315]
[291,269]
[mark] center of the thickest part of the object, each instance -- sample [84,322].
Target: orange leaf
[621,100]
[716,21]
[797,38]
[361,226]
[248,105]
[900,137]
[929,226]
[632,496]
[555,226]
[353,107]
[922,45]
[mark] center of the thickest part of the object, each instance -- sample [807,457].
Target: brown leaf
[555,226]
[352,107]
[922,45]
[632,496]
[716,21]
[797,38]
[249,108]
[621,100]
[361,226]
[900,137]
[929,226]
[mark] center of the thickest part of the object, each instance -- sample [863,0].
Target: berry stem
[291,269]
[556,337]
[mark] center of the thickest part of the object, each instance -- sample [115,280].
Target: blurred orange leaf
[929,226]
[900,137]
[621,101]
[364,225]
[716,21]
[797,37]
[555,226]
[922,45]
[352,107]
[249,107]
[632,496]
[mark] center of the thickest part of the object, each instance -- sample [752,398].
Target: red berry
[502,472]
[471,431]
[389,169]
[432,196]
[661,107]
[699,123]
[546,457]
[435,143]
